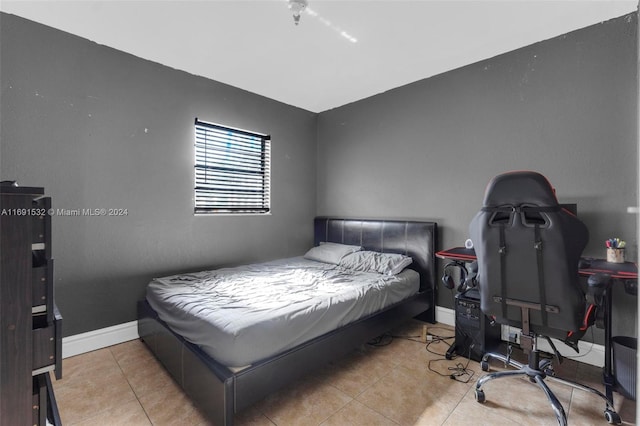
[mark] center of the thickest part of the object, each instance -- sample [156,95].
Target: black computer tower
[475,335]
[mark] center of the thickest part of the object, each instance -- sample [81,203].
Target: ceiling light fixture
[297,7]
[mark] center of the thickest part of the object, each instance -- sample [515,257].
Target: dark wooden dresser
[30,324]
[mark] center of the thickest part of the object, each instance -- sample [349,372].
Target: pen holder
[615,255]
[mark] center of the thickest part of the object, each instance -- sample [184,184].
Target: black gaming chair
[528,250]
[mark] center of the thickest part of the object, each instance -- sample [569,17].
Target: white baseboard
[445,316]
[590,353]
[98,339]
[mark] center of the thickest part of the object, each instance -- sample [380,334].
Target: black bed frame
[220,393]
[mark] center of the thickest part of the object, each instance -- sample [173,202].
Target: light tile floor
[388,385]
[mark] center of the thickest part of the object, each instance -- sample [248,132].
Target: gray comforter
[244,314]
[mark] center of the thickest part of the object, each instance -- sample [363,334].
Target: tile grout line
[130,387]
[374,409]
[95,414]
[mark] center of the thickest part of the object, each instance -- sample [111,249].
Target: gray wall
[99,128]
[566,107]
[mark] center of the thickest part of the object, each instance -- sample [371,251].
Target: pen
[615,243]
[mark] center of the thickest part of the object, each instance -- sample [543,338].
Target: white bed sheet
[245,314]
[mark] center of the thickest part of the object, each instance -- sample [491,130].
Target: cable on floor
[460,372]
[435,339]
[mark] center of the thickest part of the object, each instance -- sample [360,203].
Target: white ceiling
[255,45]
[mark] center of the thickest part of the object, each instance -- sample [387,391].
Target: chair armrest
[597,286]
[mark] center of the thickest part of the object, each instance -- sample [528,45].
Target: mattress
[248,313]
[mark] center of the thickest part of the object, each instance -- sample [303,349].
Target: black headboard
[411,238]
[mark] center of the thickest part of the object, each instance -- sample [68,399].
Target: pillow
[330,252]
[373,261]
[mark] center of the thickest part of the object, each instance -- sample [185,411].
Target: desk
[460,254]
[626,273]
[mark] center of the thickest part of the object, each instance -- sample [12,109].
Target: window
[232,170]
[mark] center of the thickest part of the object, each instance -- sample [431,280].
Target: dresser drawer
[40,285]
[39,229]
[42,289]
[43,402]
[47,344]
[41,219]
[41,225]
[39,400]
[44,347]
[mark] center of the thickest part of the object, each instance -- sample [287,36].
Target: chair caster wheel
[484,365]
[612,417]
[480,395]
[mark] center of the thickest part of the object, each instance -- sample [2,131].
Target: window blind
[232,170]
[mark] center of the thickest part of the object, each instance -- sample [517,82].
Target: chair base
[537,374]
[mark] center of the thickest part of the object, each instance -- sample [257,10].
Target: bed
[222,388]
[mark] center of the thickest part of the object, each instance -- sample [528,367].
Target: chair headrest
[520,187]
